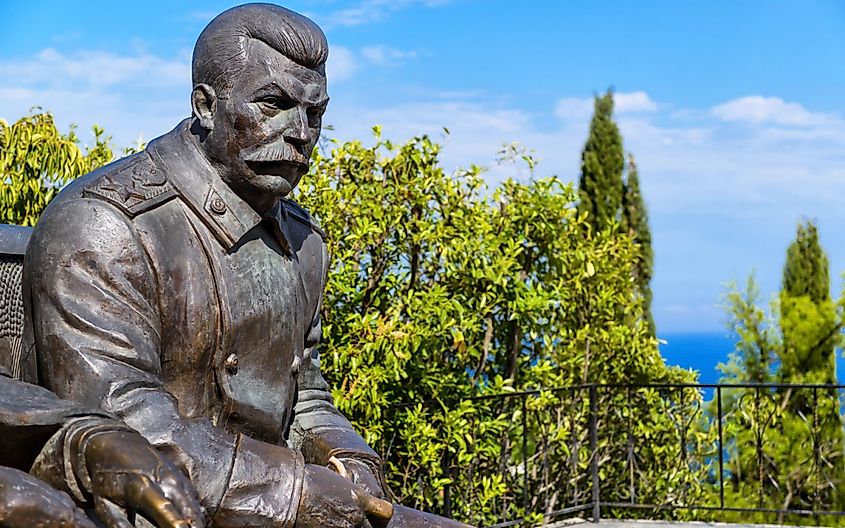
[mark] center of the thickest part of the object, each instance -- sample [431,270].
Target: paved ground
[630,523]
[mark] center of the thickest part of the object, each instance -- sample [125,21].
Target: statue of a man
[180,290]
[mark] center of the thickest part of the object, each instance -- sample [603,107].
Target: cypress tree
[810,329]
[635,224]
[807,271]
[602,162]
[804,434]
[807,314]
[607,198]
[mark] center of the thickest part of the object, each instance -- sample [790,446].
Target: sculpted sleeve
[94,323]
[319,430]
[35,427]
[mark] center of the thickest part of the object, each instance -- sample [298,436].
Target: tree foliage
[635,224]
[808,318]
[609,193]
[600,188]
[807,270]
[787,448]
[36,161]
[441,290]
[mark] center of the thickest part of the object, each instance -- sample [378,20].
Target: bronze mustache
[277,152]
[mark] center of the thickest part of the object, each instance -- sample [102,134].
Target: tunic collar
[225,213]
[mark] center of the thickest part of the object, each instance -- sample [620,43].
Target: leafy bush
[36,161]
[440,291]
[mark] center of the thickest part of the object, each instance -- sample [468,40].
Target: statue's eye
[272,105]
[315,112]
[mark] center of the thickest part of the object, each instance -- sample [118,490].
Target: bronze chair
[13,241]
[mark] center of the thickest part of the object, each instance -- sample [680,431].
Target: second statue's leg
[404,517]
[26,501]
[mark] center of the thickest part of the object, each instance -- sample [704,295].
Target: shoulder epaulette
[299,213]
[134,185]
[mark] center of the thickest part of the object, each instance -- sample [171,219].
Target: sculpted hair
[222,47]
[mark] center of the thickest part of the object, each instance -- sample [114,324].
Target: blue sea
[703,351]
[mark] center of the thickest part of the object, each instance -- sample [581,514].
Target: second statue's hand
[373,506]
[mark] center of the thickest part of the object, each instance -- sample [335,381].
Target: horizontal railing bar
[638,506]
[723,385]
[532,392]
[584,386]
[507,523]
[571,509]
[501,395]
[564,511]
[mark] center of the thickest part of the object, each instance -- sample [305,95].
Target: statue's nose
[297,131]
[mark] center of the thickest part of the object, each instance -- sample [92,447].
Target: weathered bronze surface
[179,290]
[26,501]
[13,242]
[84,454]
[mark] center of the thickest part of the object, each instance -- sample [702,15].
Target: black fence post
[816,437]
[721,448]
[447,490]
[525,453]
[632,490]
[594,455]
[761,432]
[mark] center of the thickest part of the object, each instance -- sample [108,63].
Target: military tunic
[154,292]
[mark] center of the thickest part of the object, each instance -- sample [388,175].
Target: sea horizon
[703,351]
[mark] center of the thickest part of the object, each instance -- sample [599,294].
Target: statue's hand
[125,471]
[26,501]
[331,501]
[361,474]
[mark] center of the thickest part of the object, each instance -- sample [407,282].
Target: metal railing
[700,451]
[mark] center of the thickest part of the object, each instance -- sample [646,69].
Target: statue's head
[258,99]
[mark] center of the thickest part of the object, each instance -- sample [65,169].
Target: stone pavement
[635,523]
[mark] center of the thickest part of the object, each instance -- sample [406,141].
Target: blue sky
[734,110]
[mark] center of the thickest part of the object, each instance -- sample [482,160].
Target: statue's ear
[204,104]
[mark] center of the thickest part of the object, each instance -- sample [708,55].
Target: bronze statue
[180,290]
[84,454]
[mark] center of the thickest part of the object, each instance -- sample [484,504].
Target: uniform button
[297,361]
[231,363]
[217,206]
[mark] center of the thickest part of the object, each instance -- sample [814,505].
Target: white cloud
[372,11]
[467,122]
[476,130]
[668,136]
[123,117]
[342,64]
[96,69]
[633,102]
[202,16]
[573,108]
[128,95]
[757,109]
[386,55]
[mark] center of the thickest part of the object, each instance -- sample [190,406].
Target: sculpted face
[265,129]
